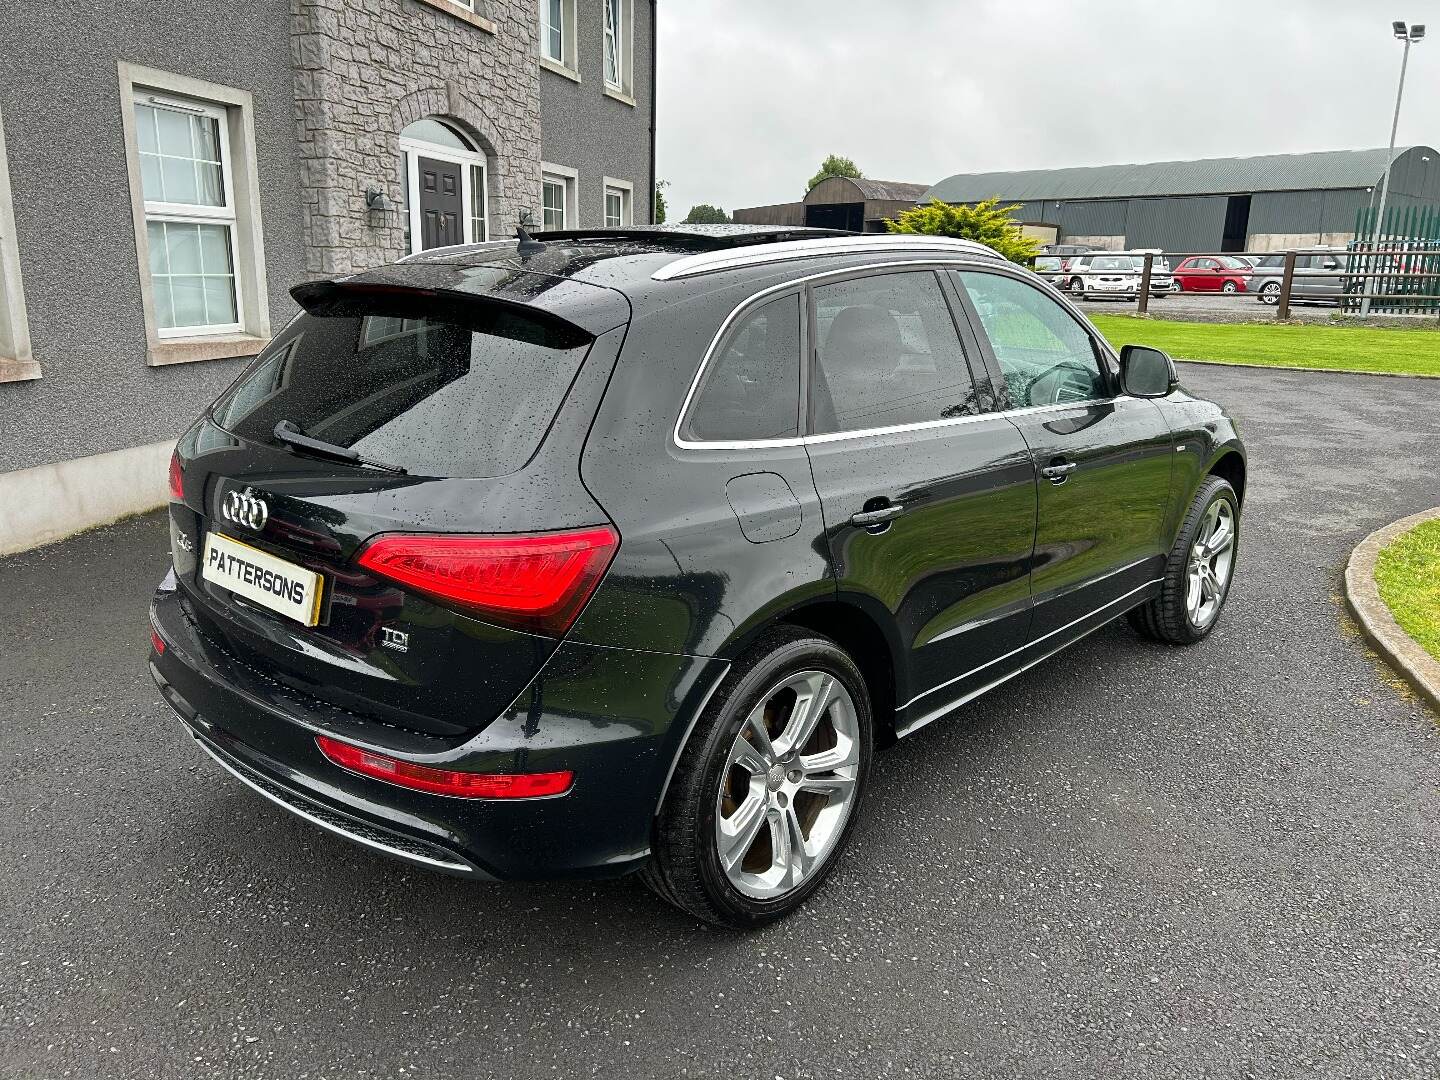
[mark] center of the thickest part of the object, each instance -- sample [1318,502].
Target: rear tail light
[177,478]
[535,583]
[463,785]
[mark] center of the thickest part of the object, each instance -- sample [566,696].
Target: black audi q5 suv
[622,550]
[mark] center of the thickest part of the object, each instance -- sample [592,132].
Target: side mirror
[1147,372]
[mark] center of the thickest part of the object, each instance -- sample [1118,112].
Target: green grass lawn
[1408,574]
[1332,348]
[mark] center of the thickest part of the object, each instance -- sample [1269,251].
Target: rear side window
[751,388]
[888,354]
[1044,354]
[439,392]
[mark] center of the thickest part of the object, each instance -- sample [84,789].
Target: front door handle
[869,518]
[1058,471]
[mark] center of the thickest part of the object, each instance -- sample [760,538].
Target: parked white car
[1116,274]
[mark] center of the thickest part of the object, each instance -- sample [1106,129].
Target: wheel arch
[859,632]
[1230,466]
[859,624]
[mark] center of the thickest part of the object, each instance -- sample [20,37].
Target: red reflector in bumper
[464,785]
[157,642]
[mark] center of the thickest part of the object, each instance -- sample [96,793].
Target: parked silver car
[1321,277]
[1115,274]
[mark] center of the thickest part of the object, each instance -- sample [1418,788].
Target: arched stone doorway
[446,178]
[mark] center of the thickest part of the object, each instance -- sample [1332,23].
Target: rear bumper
[615,717]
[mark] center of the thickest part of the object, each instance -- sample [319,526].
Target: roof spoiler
[482,312]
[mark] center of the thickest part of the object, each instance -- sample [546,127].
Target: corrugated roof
[890,190]
[1327,169]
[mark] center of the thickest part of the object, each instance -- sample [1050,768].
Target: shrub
[987,222]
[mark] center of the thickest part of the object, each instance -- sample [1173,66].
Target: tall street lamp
[1410,35]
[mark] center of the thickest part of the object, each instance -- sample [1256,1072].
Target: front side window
[189,215]
[552,30]
[751,388]
[1047,358]
[888,354]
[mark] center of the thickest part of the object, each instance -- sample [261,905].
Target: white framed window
[185,176]
[617,47]
[16,360]
[190,151]
[558,37]
[619,197]
[558,185]
[447,197]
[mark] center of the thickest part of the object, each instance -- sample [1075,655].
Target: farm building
[1264,203]
[838,202]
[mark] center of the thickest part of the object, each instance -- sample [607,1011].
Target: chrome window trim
[762,297]
[707,262]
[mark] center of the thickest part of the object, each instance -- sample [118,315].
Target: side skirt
[913,718]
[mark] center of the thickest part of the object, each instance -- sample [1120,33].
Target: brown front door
[440,206]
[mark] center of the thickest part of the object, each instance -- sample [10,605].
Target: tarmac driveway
[1130,861]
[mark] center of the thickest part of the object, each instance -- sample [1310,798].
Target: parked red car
[1212,273]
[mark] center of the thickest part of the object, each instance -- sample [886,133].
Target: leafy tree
[987,222]
[835,165]
[660,186]
[705,214]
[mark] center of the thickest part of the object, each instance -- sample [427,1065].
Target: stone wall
[364,69]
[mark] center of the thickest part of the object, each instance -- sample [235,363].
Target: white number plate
[274,583]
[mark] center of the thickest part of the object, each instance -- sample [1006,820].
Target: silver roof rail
[707,262]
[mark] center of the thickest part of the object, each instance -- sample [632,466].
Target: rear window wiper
[289,434]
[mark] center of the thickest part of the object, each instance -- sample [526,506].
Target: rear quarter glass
[439,388]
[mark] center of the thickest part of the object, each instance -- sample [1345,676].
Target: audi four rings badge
[245,508]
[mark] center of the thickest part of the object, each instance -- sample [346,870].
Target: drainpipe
[654,94]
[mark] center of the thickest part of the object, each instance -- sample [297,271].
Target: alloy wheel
[1212,557]
[788,785]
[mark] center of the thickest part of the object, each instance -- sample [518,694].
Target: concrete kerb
[1412,663]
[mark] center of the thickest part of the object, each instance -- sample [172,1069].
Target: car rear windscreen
[437,389]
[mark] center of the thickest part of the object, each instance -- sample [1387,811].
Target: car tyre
[1200,565]
[1270,293]
[1230,287]
[743,758]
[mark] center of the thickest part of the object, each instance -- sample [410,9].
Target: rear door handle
[1058,471]
[868,518]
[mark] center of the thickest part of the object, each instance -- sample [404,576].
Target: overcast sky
[754,93]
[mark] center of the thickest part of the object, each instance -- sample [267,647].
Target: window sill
[190,350]
[559,69]
[455,10]
[12,370]
[619,95]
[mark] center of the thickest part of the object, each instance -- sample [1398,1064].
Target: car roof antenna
[528,244]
